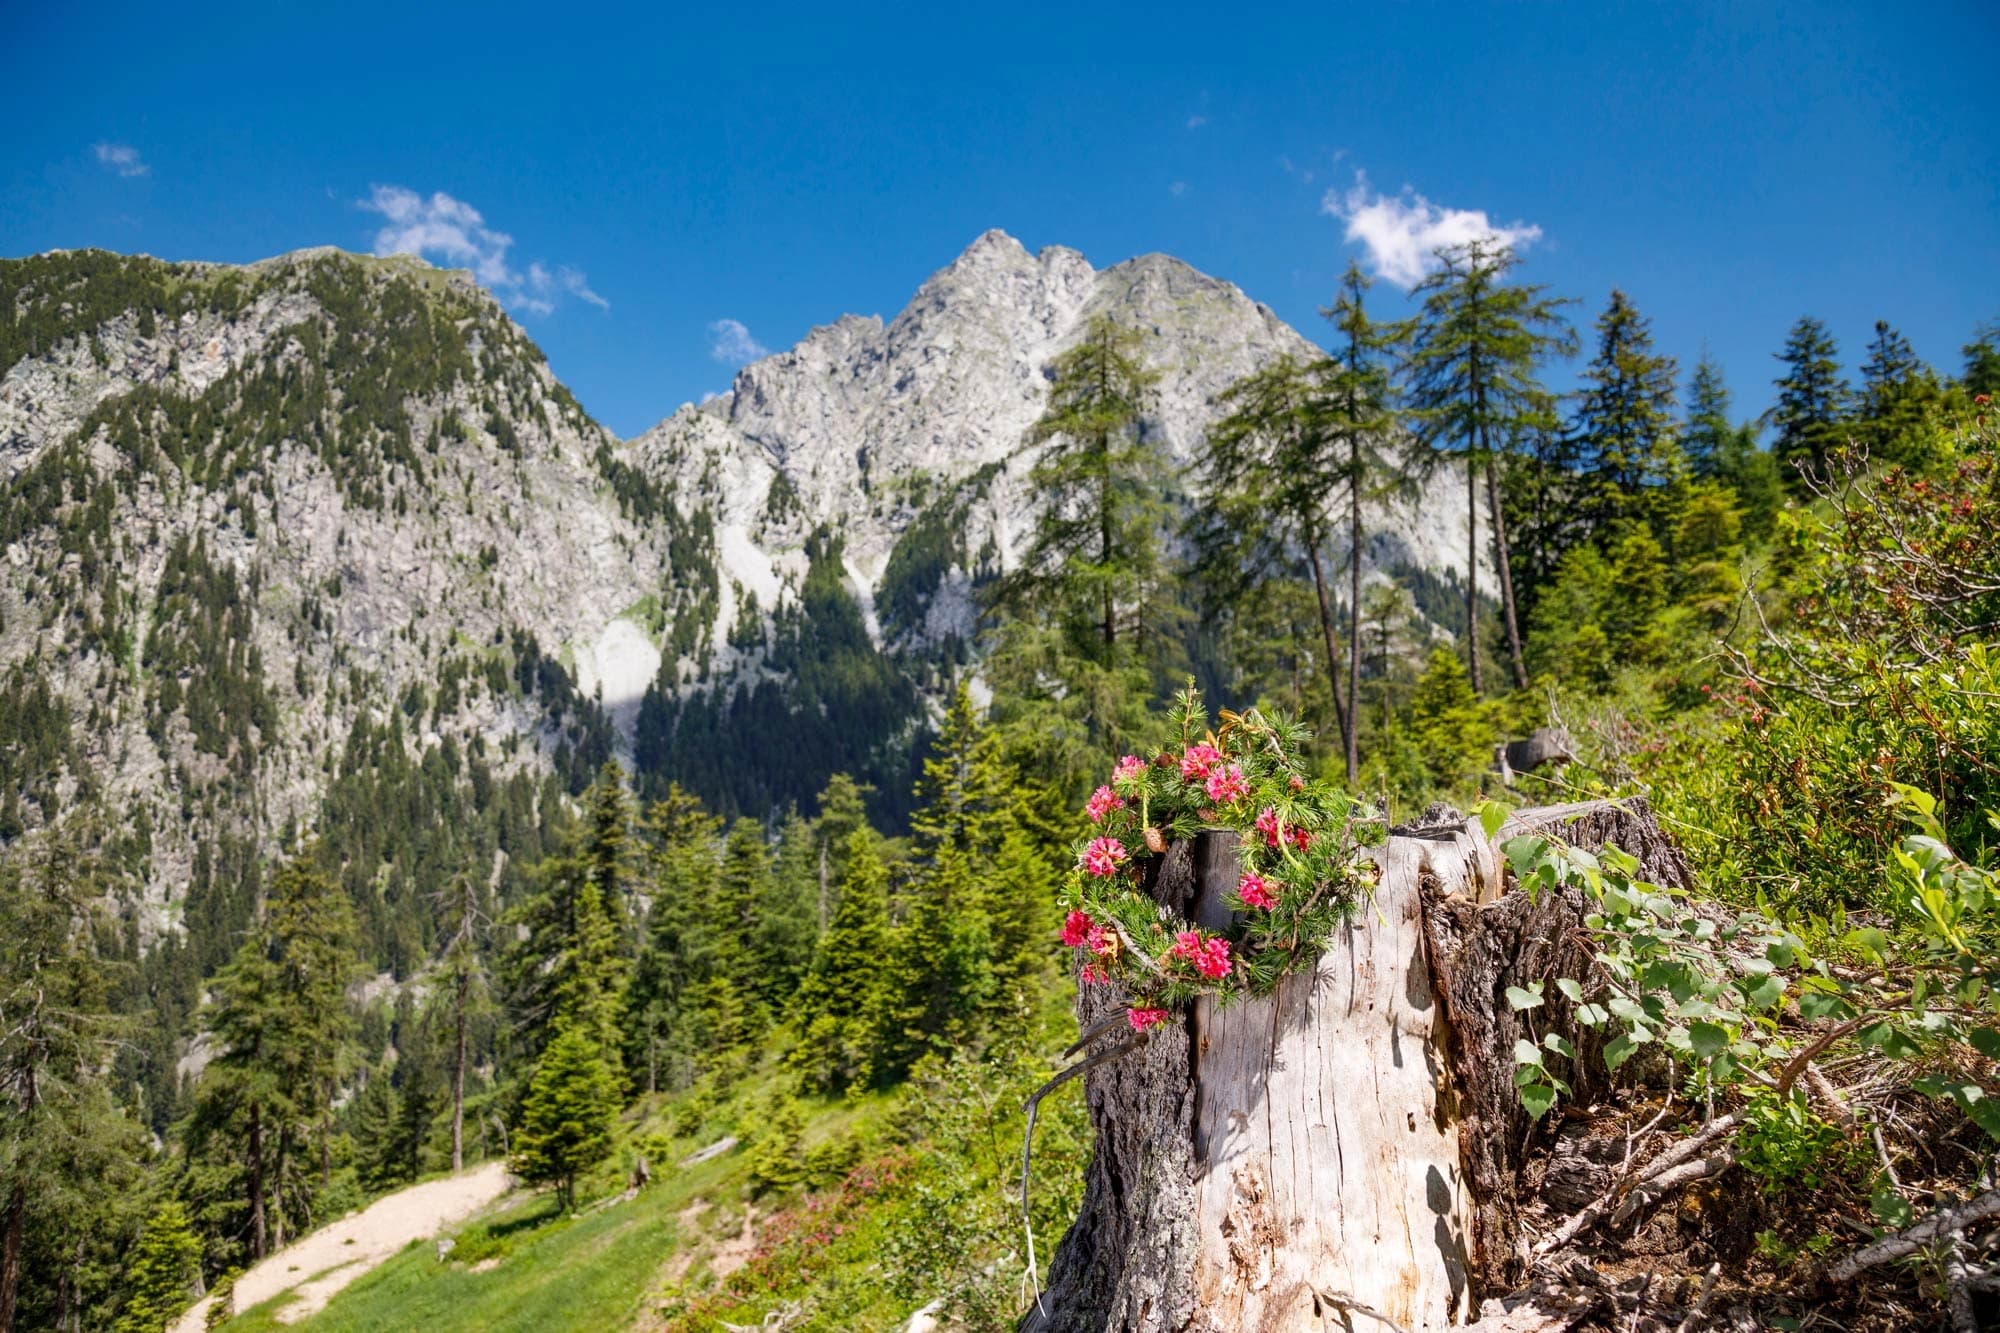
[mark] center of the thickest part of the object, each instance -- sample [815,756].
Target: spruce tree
[568,1114]
[284,1030]
[571,953]
[1982,361]
[683,936]
[1625,422]
[965,794]
[788,916]
[1472,387]
[69,1157]
[1706,431]
[160,1279]
[840,1002]
[1897,390]
[1811,410]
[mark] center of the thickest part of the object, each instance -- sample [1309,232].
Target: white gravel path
[322,1263]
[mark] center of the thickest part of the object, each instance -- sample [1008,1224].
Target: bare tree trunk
[278,1188]
[10,1254]
[1354,615]
[1505,564]
[1344,1153]
[1472,571]
[1340,714]
[458,1076]
[256,1181]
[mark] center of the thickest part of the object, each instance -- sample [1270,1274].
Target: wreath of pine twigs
[1301,871]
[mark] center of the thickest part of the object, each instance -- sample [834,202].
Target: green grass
[553,1273]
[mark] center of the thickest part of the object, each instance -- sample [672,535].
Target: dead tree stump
[1343,1152]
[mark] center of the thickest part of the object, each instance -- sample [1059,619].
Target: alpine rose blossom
[1102,802]
[1210,957]
[1300,838]
[1131,766]
[1103,856]
[1226,785]
[1141,1019]
[1254,891]
[1095,975]
[1102,941]
[1197,760]
[1076,928]
[1267,824]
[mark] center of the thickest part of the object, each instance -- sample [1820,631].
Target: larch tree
[1810,415]
[1096,542]
[1305,445]
[1364,423]
[463,996]
[1471,384]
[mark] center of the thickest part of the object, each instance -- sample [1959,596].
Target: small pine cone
[1156,842]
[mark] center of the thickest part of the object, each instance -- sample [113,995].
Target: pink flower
[1254,891]
[1196,761]
[1210,957]
[1141,1019]
[1076,928]
[1101,941]
[1102,802]
[1267,824]
[1226,785]
[1103,857]
[1095,975]
[1131,766]
[1300,838]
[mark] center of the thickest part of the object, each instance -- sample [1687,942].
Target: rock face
[254,517]
[866,422]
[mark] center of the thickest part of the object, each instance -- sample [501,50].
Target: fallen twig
[1693,1319]
[1944,1222]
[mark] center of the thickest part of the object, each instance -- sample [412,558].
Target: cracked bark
[1344,1151]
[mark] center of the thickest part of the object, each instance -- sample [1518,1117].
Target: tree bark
[10,1254]
[1340,714]
[256,1182]
[1344,1152]
[1354,612]
[1472,572]
[1504,564]
[458,1074]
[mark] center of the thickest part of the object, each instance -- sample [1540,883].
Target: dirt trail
[327,1260]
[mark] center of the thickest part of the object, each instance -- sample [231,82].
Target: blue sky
[675,189]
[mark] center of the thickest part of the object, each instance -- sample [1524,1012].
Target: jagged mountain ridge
[259,520]
[944,395]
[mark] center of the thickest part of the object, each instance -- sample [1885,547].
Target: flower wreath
[1301,874]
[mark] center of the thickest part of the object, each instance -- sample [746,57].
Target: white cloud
[1196,122]
[1403,232]
[730,343]
[443,228]
[122,158]
[1177,189]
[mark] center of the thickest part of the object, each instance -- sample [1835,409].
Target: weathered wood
[1343,1152]
[1479,944]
